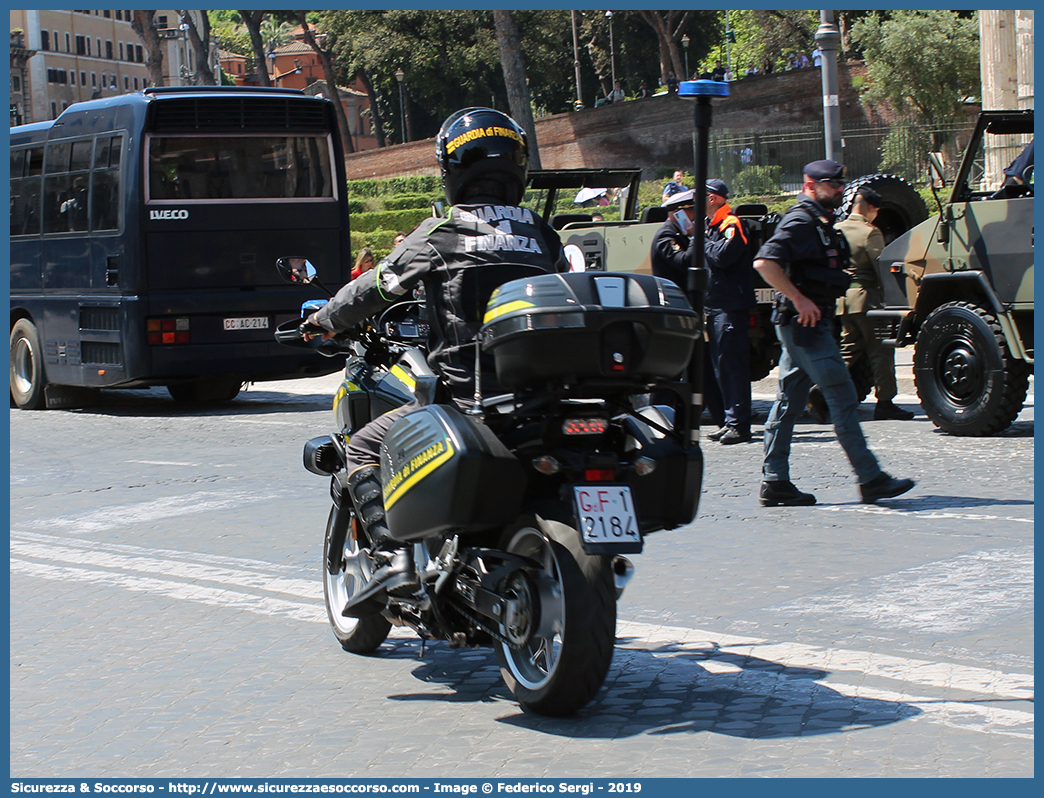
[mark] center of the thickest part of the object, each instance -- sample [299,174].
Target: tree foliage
[922,62]
[766,37]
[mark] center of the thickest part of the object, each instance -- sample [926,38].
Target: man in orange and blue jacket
[730,296]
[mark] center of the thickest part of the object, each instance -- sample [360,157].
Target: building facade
[81,55]
[296,66]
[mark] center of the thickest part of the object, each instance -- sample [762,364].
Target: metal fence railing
[767,162]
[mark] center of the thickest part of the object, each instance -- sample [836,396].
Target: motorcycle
[520,508]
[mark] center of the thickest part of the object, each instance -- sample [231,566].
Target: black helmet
[482,152]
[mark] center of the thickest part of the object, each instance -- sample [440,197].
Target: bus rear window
[239,167]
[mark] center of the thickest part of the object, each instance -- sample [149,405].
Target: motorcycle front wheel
[350,572]
[563,662]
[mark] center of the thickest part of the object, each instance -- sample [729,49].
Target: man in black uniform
[486,240]
[805,261]
[671,258]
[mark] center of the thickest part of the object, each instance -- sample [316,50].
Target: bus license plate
[606,514]
[764,296]
[247,323]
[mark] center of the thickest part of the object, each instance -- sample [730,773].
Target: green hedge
[389,220]
[758,180]
[418,184]
[410,201]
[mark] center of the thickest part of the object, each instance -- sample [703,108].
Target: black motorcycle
[521,507]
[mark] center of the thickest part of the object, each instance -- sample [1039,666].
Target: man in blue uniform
[805,261]
[671,259]
[730,295]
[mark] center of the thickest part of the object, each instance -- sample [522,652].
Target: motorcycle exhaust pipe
[623,570]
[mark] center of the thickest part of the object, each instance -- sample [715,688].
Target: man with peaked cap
[671,259]
[805,261]
[730,296]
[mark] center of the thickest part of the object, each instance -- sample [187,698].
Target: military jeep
[959,286]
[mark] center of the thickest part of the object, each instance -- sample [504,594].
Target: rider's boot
[396,574]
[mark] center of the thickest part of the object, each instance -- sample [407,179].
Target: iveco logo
[168,214]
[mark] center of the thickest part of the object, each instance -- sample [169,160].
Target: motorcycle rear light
[644,466]
[167,331]
[599,474]
[546,465]
[584,426]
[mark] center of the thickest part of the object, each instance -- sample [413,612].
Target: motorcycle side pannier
[443,472]
[571,328]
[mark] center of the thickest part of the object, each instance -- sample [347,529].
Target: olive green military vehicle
[568,199]
[959,286]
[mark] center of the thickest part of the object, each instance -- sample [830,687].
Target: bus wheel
[27,372]
[214,389]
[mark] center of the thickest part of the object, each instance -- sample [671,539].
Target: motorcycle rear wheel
[357,635]
[559,673]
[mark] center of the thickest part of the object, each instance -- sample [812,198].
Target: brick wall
[654,133]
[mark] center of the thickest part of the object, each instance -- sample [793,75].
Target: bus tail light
[167,331]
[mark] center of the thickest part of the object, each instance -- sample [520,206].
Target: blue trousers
[811,357]
[729,353]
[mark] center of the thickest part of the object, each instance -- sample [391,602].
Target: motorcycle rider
[485,241]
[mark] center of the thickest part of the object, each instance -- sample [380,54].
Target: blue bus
[144,233]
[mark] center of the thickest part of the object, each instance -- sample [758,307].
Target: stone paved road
[167,618]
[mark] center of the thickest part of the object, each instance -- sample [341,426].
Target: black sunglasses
[833,183]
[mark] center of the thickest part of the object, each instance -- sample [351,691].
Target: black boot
[396,574]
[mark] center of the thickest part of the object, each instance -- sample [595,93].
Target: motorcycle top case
[443,472]
[570,328]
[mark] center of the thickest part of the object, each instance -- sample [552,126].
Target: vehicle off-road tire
[205,390]
[27,368]
[357,635]
[557,673]
[967,380]
[902,206]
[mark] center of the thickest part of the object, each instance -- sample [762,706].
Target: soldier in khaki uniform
[865,293]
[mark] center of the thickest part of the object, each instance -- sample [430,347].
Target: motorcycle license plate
[247,323]
[606,514]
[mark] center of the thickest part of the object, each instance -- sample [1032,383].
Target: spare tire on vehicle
[902,207]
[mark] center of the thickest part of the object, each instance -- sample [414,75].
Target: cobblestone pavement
[167,616]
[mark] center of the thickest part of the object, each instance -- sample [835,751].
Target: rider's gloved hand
[310,328]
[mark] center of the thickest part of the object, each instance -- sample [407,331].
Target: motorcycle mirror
[296,270]
[300,271]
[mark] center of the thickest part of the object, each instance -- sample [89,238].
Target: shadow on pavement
[156,403]
[915,503]
[672,689]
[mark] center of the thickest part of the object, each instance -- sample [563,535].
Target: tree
[921,62]
[767,37]
[144,25]
[252,20]
[669,27]
[511,62]
[200,46]
[331,82]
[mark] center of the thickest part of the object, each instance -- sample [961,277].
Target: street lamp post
[612,51]
[579,105]
[399,76]
[685,46]
[829,39]
[702,91]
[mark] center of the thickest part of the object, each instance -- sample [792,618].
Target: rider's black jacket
[460,260]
